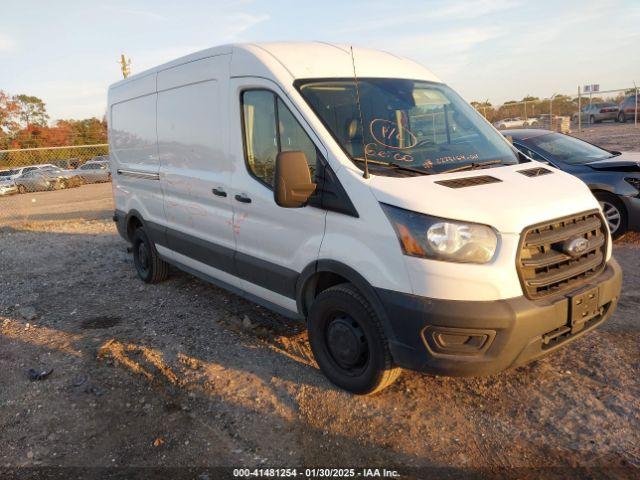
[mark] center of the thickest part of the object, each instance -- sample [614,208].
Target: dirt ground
[184,374]
[612,136]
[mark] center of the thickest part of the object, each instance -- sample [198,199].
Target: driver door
[273,244]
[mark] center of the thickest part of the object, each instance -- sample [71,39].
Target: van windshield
[421,125]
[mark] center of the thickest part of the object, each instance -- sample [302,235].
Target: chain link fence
[32,181]
[566,113]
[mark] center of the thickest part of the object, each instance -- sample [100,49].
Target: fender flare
[157,233]
[306,283]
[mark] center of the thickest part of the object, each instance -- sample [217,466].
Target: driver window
[270,128]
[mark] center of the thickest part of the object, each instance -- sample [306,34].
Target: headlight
[634,182]
[440,239]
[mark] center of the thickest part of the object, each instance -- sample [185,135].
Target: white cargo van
[382,209]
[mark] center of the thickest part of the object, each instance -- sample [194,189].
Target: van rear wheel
[149,266]
[349,343]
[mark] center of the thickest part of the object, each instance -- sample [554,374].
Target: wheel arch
[133,220]
[323,274]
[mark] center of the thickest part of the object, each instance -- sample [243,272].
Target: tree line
[24,123]
[530,106]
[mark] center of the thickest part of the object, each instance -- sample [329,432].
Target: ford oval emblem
[576,246]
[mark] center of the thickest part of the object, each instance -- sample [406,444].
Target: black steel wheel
[149,266]
[348,341]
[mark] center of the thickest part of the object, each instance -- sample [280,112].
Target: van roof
[304,60]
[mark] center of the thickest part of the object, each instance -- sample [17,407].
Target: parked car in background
[7,187]
[515,122]
[7,174]
[597,112]
[100,158]
[95,172]
[68,178]
[627,109]
[66,164]
[38,180]
[613,177]
[19,171]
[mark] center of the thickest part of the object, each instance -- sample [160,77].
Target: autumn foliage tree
[24,124]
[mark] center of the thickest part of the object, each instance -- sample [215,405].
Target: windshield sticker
[451,159]
[392,135]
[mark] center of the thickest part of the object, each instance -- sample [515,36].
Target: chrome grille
[544,265]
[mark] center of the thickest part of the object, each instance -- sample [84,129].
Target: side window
[293,137]
[270,128]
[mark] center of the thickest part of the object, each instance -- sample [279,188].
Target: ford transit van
[354,189]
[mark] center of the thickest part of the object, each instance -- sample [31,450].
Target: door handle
[243,199]
[218,192]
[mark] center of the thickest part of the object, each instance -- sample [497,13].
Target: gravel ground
[613,136]
[183,373]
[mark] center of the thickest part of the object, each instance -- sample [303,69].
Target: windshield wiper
[392,165]
[473,166]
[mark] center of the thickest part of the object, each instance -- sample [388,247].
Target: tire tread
[159,268]
[390,373]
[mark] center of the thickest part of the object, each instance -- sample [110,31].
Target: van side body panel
[133,148]
[192,140]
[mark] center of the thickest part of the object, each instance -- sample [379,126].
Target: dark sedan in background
[613,177]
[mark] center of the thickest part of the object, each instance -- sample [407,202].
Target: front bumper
[632,204]
[460,338]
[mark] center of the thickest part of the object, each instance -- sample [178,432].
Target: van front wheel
[348,341]
[150,267]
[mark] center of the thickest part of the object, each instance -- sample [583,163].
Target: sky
[66,52]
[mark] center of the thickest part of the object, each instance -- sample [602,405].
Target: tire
[149,266]
[592,120]
[348,341]
[63,184]
[614,213]
[621,118]
[22,189]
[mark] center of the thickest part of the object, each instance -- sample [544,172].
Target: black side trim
[242,293]
[252,269]
[266,274]
[212,254]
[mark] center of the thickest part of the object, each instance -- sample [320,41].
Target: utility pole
[635,116]
[551,112]
[125,66]
[579,109]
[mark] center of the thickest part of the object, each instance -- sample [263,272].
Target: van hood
[510,203]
